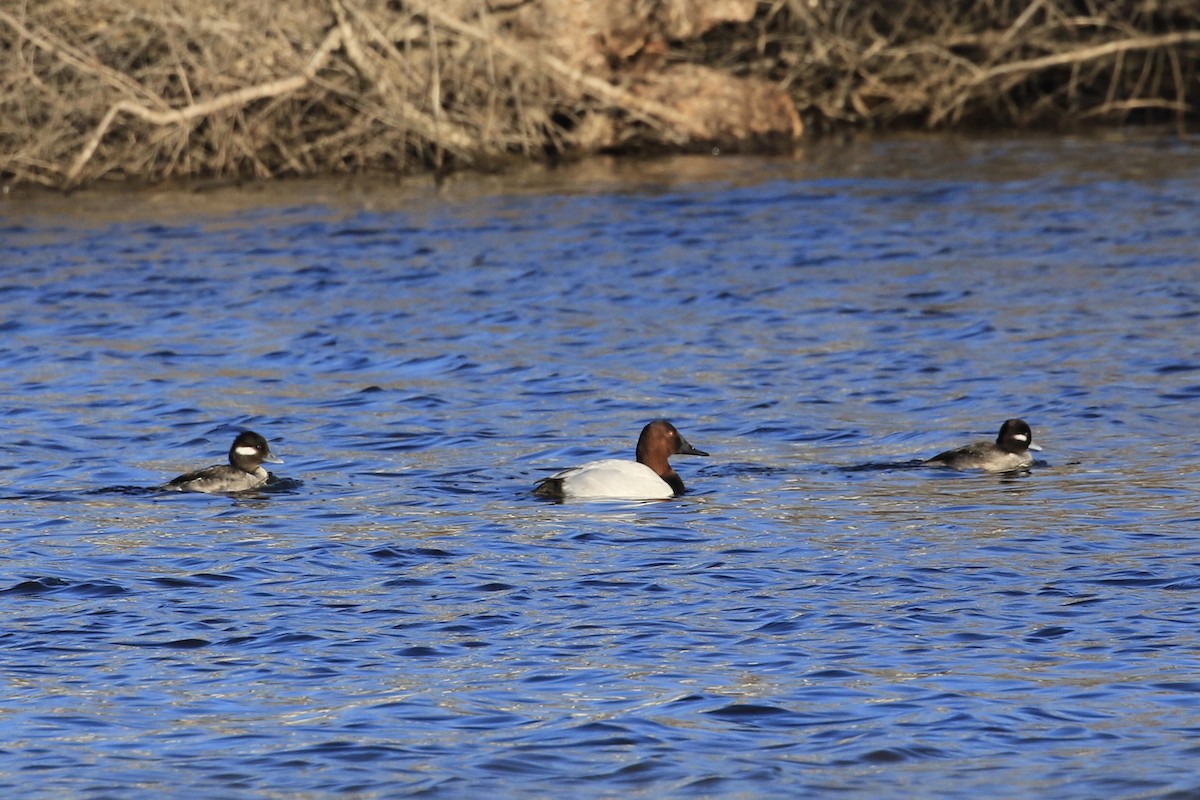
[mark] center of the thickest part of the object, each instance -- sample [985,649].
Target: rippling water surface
[397,615]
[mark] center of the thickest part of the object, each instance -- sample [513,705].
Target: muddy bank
[155,89]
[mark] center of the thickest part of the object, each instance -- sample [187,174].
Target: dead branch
[431,127]
[81,61]
[1089,54]
[648,111]
[179,116]
[1072,58]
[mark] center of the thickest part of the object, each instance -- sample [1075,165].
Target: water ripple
[395,614]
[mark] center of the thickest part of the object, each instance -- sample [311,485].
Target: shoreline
[132,199]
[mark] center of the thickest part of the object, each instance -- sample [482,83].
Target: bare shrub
[983,62]
[158,89]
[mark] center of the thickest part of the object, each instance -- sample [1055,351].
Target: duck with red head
[650,477]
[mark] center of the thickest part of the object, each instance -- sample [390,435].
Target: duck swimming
[243,472]
[650,477]
[1009,452]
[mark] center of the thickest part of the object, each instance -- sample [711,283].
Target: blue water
[396,615]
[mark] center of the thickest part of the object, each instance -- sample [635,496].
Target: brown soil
[156,89]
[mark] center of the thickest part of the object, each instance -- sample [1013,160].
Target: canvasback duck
[649,478]
[1009,452]
[243,472]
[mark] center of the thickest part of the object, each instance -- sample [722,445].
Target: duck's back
[218,479]
[612,478]
[983,455]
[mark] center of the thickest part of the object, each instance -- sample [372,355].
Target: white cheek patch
[1020,437]
[245,451]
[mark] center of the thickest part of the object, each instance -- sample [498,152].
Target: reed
[161,89]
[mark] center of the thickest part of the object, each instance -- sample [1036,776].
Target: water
[398,616]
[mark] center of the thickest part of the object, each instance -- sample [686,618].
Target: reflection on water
[397,614]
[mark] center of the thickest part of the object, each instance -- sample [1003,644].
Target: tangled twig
[158,88]
[179,116]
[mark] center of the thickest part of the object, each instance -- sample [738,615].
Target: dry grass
[168,88]
[158,89]
[984,62]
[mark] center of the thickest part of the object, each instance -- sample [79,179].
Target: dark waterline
[821,615]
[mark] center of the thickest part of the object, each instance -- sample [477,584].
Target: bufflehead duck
[1009,452]
[243,472]
[649,478]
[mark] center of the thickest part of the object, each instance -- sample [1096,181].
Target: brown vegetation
[990,62]
[181,88]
